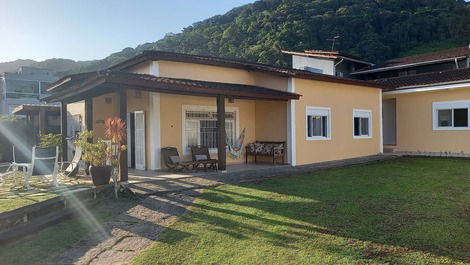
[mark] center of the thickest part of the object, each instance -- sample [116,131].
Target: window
[362,123]
[200,126]
[313,70]
[451,115]
[318,123]
[22,89]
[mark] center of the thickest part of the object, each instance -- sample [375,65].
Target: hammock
[235,147]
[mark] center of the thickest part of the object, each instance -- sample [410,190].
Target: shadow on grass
[408,204]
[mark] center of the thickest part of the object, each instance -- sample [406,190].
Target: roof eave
[388,68]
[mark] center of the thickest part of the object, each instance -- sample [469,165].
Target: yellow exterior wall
[271,120]
[221,74]
[172,119]
[265,120]
[77,108]
[342,99]
[102,111]
[142,68]
[414,123]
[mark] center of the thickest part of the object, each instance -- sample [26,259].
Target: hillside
[58,66]
[14,65]
[375,30]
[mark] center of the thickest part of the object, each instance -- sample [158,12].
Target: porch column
[63,129]
[42,121]
[89,114]
[221,149]
[123,115]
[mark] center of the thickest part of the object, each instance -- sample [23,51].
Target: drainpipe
[456,63]
[340,61]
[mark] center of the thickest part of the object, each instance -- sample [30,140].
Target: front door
[389,120]
[136,140]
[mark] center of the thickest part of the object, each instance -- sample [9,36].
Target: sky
[93,29]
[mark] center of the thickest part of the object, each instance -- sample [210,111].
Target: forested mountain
[59,67]
[372,29]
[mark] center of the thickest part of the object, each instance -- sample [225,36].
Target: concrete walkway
[120,240]
[211,179]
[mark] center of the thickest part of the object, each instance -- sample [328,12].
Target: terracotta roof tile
[411,81]
[421,58]
[233,63]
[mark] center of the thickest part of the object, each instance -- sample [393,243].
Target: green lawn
[11,202]
[406,211]
[41,247]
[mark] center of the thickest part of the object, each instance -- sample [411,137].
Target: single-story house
[180,100]
[427,113]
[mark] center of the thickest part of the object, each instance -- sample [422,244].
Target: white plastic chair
[72,169]
[15,167]
[37,162]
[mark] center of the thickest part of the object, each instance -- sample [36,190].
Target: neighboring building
[456,58]
[26,86]
[180,100]
[327,62]
[44,118]
[427,113]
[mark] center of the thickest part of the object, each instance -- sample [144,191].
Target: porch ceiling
[78,87]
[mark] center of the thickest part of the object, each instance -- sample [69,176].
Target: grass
[406,211]
[9,203]
[41,247]
[13,196]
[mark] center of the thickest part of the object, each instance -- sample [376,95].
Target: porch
[163,112]
[137,176]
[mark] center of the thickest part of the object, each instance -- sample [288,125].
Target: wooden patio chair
[70,168]
[173,161]
[202,157]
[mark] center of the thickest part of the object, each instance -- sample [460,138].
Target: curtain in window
[201,128]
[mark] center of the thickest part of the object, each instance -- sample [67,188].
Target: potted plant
[96,154]
[116,133]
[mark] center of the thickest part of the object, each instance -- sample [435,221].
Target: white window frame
[319,111]
[362,113]
[449,105]
[187,151]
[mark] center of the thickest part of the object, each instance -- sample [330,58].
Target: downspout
[456,63]
[340,61]
[336,64]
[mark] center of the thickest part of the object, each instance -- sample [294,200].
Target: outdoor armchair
[173,161]
[202,157]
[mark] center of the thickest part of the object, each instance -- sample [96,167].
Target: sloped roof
[434,78]
[232,63]
[424,58]
[25,109]
[328,55]
[82,83]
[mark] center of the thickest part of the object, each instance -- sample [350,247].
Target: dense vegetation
[373,29]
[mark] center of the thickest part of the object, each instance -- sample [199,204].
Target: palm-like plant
[115,131]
